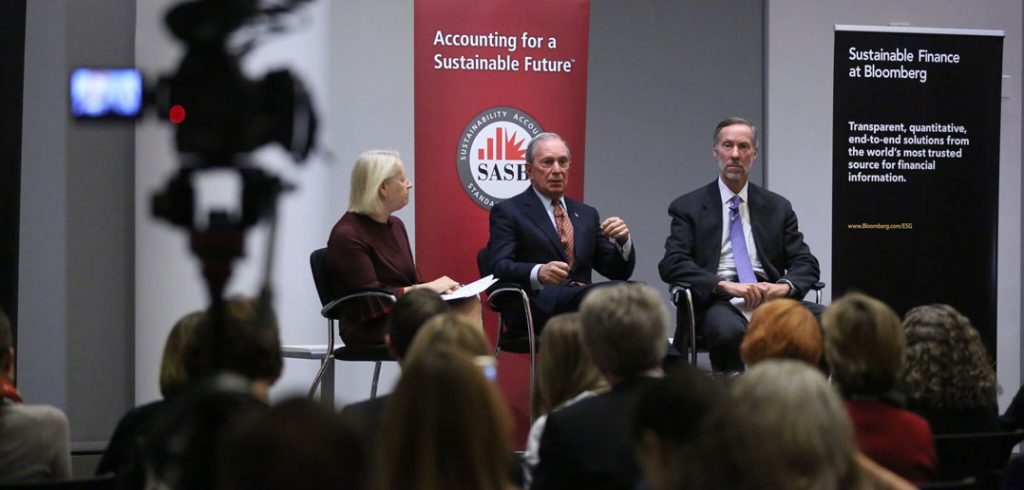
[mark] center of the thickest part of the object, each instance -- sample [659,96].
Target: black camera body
[219,113]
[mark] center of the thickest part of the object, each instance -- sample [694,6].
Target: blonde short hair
[448,330]
[371,169]
[864,344]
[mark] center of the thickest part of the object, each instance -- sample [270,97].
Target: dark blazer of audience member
[565,374]
[122,455]
[405,320]
[866,350]
[525,247]
[784,427]
[948,378]
[445,427]
[589,445]
[298,444]
[369,247]
[35,441]
[667,422]
[782,329]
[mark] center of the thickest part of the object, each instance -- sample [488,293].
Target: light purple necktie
[739,243]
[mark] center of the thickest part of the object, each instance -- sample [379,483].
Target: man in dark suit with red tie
[731,277]
[550,244]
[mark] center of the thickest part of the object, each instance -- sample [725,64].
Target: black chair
[686,318]
[102,482]
[333,309]
[975,455]
[508,298]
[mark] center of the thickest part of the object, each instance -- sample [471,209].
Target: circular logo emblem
[491,155]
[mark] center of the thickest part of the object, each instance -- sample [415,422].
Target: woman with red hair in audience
[782,329]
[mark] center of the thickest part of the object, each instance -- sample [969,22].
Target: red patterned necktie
[564,227]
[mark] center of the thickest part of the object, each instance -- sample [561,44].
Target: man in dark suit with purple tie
[550,244]
[730,278]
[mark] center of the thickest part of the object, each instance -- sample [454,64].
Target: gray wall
[661,76]
[75,297]
[799,107]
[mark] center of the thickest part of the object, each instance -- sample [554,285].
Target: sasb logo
[491,156]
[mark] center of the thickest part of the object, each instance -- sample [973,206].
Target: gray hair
[370,171]
[624,328]
[814,449]
[729,121]
[541,137]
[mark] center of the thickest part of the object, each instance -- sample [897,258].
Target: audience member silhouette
[667,421]
[298,444]
[565,375]
[406,318]
[122,455]
[588,445]
[449,330]
[444,427]
[948,378]
[35,441]
[865,349]
[784,427]
[782,328]
[230,368]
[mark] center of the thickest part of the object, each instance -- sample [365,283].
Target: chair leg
[328,361]
[376,375]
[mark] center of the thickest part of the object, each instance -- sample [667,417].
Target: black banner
[915,159]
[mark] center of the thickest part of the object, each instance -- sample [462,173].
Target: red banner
[489,76]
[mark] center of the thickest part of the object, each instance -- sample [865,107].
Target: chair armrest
[678,291]
[505,289]
[330,310]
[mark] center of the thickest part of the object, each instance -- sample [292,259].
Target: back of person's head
[624,328]
[430,440]
[947,367]
[370,170]
[449,330]
[864,344]
[297,444]
[173,378]
[248,344]
[667,420]
[564,368]
[409,314]
[782,328]
[784,427]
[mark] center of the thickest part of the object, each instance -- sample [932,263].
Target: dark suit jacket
[523,236]
[366,417]
[588,444]
[694,246]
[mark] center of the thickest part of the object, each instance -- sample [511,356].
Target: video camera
[219,114]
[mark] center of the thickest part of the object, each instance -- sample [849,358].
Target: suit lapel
[538,214]
[757,209]
[711,213]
